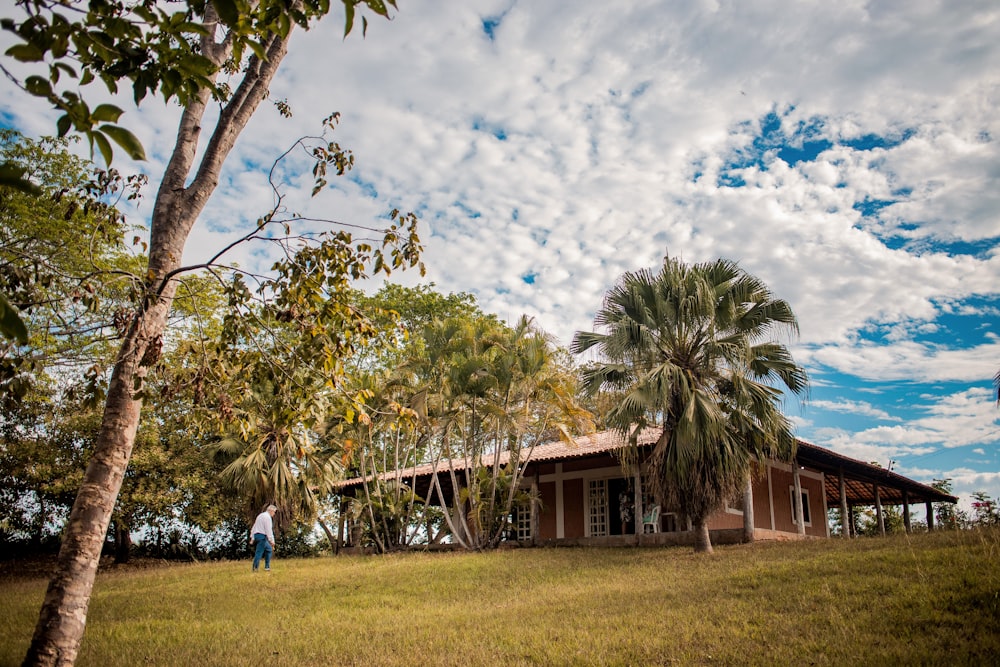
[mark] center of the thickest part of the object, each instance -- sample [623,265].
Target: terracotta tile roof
[828,461]
[582,447]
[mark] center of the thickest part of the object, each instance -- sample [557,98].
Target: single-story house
[585,497]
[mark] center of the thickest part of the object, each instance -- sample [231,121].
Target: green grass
[923,599]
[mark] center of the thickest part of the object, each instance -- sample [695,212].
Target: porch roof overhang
[859,477]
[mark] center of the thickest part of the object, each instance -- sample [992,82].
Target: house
[580,488]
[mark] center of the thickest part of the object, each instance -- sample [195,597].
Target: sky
[847,153]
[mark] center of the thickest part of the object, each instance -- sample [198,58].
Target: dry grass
[924,599]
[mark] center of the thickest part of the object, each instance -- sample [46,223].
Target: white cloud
[854,407]
[590,137]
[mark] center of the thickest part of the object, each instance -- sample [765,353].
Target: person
[263,534]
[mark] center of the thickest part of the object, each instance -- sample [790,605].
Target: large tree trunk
[61,622]
[702,540]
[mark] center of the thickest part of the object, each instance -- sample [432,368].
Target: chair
[652,519]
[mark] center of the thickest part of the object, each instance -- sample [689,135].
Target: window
[597,507]
[522,520]
[805,506]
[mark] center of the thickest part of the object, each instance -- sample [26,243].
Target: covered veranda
[850,483]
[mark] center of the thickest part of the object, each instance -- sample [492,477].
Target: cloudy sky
[848,153]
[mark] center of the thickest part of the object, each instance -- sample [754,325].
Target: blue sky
[847,153]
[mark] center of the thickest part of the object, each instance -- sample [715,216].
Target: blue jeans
[263,549]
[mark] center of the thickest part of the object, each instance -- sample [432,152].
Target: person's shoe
[267,569]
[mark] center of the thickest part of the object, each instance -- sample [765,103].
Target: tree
[489,394]
[387,435]
[62,258]
[689,347]
[985,509]
[225,51]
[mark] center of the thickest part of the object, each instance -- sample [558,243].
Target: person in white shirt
[263,534]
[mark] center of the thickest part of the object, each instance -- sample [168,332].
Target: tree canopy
[689,349]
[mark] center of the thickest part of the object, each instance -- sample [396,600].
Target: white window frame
[805,506]
[597,516]
[522,524]
[733,510]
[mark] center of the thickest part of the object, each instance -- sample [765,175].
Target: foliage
[688,349]
[299,541]
[986,511]
[488,394]
[64,264]
[448,385]
[41,463]
[947,515]
[867,520]
[147,45]
[192,55]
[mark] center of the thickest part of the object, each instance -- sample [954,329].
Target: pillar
[878,512]
[535,512]
[845,513]
[906,512]
[799,514]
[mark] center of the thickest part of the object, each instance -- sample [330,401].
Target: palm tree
[492,393]
[276,457]
[689,350]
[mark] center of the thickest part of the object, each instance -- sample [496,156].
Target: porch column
[906,511]
[748,524]
[799,514]
[560,510]
[854,532]
[930,516]
[845,514]
[878,512]
[535,512]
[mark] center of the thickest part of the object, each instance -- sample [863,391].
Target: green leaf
[257,49]
[102,144]
[378,7]
[106,112]
[11,324]
[64,124]
[195,28]
[66,68]
[126,140]
[36,85]
[26,53]
[228,11]
[349,17]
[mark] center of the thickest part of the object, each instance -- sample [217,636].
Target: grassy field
[923,599]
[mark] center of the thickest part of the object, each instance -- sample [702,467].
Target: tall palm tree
[492,393]
[690,349]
